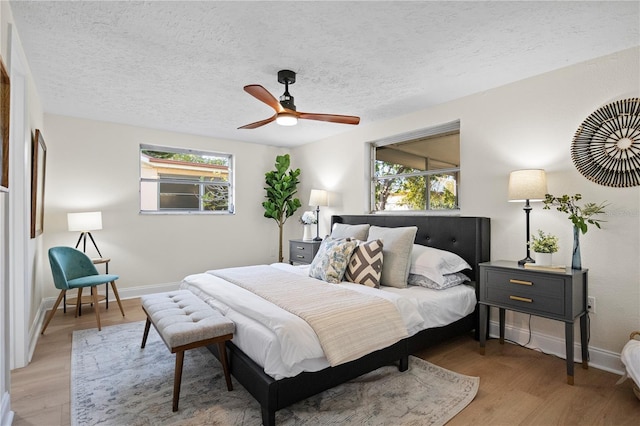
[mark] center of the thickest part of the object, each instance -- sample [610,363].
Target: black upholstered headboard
[468,237]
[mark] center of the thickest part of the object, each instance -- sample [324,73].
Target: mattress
[285,345]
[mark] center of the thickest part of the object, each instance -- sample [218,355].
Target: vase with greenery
[580,217]
[282,185]
[544,245]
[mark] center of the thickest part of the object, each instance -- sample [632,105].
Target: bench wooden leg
[146,333]
[177,379]
[222,349]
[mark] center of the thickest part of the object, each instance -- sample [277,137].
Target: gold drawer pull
[300,256]
[300,248]
[521,299]
[512,281]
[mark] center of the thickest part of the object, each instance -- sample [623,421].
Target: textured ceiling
[181,66]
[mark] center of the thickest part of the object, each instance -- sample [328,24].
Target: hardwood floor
[517,385]
[40,392]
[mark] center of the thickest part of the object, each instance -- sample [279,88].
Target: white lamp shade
[84,222]
[527,185]
[318,197]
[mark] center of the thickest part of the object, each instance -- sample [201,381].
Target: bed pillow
[450,280]
[434,263]
[397,246]
[357,232]
[332,259]
[365,265]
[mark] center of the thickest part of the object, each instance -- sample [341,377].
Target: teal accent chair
[72,269]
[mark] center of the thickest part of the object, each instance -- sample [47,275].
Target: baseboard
[598,358]
[6,415]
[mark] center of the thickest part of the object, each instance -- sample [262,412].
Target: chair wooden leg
[79,301]
[222,349]
[177,379]
[115,291]
[96,308]
[146,333]
[53,311]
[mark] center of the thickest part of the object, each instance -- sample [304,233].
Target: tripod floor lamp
[85,223]
[527,185]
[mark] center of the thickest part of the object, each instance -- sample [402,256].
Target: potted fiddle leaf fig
[280,203]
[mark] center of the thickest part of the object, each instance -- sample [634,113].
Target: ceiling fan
[286,114]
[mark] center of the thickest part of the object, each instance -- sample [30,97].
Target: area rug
[114,382]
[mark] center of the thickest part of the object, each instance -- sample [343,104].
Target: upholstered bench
[185,322]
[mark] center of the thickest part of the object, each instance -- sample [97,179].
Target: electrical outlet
[591,304]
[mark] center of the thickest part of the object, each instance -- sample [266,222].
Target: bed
[467,237]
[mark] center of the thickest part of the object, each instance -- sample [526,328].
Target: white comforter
[282,343]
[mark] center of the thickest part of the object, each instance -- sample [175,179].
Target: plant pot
[543,259]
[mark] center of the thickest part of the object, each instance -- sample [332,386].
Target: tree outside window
[418,173]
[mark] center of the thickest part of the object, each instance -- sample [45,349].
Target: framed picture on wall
[38,167]
[5,101]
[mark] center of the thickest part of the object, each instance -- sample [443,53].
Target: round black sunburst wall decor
[606,146]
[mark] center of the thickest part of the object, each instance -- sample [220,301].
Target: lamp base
[527,259]
[317,239]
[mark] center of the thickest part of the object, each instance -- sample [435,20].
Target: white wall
[527,124]
[95,166]
[20,296]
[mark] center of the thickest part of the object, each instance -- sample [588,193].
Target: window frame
[434,131]
[171,180]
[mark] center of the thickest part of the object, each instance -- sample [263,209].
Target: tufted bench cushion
[185,322]
[182,318]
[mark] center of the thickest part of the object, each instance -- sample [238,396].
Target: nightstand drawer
[521,300]
[526,292]
[301,251]
[301,255]
[526,284]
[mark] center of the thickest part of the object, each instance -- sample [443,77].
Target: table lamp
[318,198]
[85,223]
[527,185]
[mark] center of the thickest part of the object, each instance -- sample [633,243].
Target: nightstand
[559,296]
[303,251]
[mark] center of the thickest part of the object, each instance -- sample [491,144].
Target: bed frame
[469,237]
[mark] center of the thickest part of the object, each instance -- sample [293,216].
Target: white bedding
[285,345]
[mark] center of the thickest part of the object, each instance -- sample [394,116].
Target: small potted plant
[543,245]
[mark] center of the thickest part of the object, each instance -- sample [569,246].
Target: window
[176,180]
[417,171]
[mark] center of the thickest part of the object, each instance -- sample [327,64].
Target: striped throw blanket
[348,324]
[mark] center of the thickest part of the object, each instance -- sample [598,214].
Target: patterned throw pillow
[365,265]
[331,260]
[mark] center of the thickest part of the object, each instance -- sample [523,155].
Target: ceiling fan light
[286,119]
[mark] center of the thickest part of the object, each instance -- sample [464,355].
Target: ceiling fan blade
[334,118]
[259,123]
[262,94]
